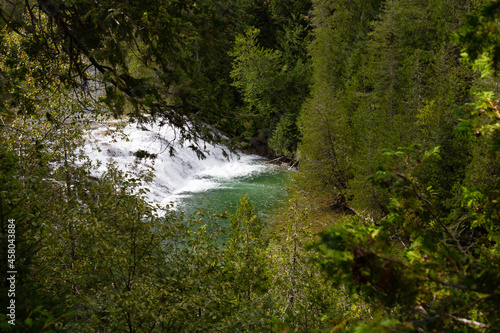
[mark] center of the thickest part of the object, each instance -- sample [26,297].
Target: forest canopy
[388,107]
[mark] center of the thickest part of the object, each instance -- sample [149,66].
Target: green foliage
[339,32]
[485,112]
[342,88]
[273,84]
[385,75]
[300,298]
[284,136]
[255,71]
[479,39]
[245,267]
[40,132]
[166,58]
[416,266]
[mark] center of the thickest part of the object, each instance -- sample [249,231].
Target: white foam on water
[174,176]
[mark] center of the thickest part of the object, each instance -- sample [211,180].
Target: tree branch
[469,322]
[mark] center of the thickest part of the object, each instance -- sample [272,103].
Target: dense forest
[389,109]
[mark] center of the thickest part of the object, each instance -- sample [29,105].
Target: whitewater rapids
[174,177]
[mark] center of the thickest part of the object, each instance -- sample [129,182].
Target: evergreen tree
[270,70]
[340,31]
[423,267]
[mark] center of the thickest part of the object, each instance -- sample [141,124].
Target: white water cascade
[174,176]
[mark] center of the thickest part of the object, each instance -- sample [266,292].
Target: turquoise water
[266,190]
[185,181]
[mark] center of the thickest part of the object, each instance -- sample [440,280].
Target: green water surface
[266,190]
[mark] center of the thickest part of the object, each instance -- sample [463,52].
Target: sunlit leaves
[479,39]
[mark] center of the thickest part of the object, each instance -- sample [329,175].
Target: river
[183,180]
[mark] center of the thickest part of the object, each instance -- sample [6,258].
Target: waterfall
[173,176]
